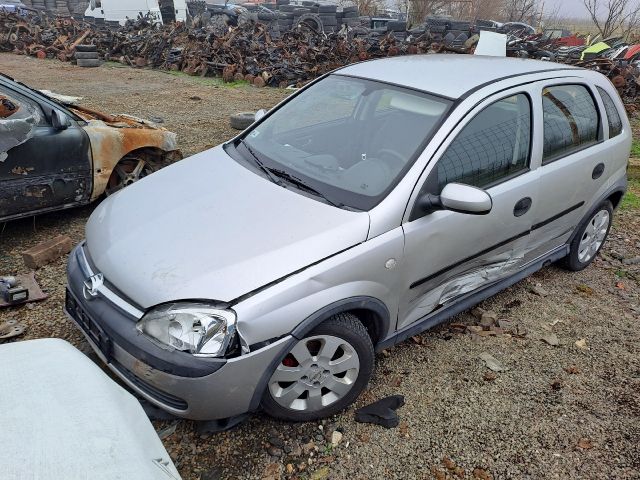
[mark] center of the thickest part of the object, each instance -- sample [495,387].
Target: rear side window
[570,120]
[615,122]
[492,147]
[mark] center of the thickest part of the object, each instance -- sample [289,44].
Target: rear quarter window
[571,120]
[613,116]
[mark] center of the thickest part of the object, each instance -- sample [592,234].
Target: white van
[165,11]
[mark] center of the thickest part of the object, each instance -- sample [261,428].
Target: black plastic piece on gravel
[382,412]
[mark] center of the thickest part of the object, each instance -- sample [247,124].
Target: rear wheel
[323,373]
[589,239]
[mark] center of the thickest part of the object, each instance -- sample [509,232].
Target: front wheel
[129,170]
[589,239]
[323,373]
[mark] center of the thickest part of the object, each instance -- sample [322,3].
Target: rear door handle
[597,171]
[522,206]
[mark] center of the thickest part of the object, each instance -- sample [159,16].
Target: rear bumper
[186,386]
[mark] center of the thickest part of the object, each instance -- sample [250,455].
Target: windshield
[351,140]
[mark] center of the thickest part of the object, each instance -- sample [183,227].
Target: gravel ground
[567,410]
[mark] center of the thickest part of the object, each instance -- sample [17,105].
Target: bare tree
[420,9]
[485,9]
[521,10]
[550,17]
[611,16]
[366,7]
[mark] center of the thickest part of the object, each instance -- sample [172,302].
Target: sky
[568,8]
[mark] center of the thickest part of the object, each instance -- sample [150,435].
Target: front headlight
[197,328]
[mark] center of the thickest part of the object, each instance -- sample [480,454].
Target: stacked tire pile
[319,17]
[87,56]
[58,7]
[449,32]
[398,29]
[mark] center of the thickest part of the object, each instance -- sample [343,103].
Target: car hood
[209,228]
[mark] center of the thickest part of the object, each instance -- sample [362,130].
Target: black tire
[86,55]
[329,20]
[396,26]
[242,120]
[90,62]
[347,327]
[327,9]
[86,48]
[312,20]
[572,261]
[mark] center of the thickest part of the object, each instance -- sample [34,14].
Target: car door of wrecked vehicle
[45,160]
[449,254]
[576,162]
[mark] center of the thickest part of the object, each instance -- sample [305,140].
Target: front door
[41,168]
[449,254]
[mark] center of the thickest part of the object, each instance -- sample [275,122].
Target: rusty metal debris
[260,53]
[250,51]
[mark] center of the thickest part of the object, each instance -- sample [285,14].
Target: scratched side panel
[51,170]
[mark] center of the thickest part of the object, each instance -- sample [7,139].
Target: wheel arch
[613,195]
[163,157]
[373,314]
[616,197]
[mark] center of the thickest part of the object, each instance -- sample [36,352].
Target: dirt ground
[569,409]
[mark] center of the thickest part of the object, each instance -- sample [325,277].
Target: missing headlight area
[17,122]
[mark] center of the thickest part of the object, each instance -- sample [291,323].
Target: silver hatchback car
[373,204]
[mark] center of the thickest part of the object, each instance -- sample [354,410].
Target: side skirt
[468,301]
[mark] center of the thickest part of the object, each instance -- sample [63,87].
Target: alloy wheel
[318,371]
[128,171]
[593,236]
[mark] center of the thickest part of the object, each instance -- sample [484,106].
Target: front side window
[19,117]
[613,117]
[347,138]
[571,120]
[493,146]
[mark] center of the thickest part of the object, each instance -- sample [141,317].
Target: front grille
[162,397]
[86,323]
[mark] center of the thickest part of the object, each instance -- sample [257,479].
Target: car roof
[447,75]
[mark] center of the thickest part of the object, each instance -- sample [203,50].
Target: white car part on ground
[492,44]
[64,418]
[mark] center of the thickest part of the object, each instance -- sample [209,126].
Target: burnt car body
[54,155]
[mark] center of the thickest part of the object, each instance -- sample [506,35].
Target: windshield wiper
[259,163]
[274,173]
[303,185]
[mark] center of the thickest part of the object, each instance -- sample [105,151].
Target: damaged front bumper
[184,385]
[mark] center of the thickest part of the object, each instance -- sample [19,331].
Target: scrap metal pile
[262,54]
[249,51]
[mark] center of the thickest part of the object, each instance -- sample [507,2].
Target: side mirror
[457,198]
[465,199]
[59,120]
[259,114]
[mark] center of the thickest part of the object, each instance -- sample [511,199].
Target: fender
[352,303]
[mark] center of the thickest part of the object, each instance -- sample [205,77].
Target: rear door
[44,168]
[450,254]
[574,160]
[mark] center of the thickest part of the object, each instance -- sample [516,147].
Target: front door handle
[597,171]
[522,207]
